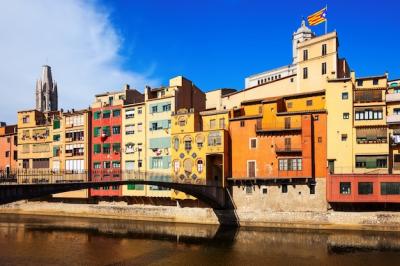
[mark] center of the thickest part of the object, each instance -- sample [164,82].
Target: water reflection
[40,240]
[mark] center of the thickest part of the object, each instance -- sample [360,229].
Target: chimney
[126,87]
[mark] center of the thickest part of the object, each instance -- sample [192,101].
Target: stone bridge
[28,185]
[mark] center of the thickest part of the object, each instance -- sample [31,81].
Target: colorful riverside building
[200,149]
[363,142]
[279,150]
[133,146]
[106,138]
[35,139]
[160,104]
[72,149]
[8,147]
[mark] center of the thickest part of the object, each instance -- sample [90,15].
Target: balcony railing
[288,149]
[393,97]
[393,119]
[278,125]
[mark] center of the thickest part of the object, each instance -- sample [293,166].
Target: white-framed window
[200,165]
[253,143]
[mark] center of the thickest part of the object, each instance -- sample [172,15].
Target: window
[371,161]
[176,143]
[106,131]
[319,139]
[56,124]
[97,115]
[309,103]
[96,165]
[156,162]
[176,166]
[130,129]
[323,69]
[188,145]
[116,112]
[154,109]
[222,123]
[129,148]
[139,111]
[390,188]
[140,127]
[7,154]
[154,126]
[106,148]
[130,113]
[344,137]
[324,49]
[56,137]
[214,138]
[345,188]
[346,115]
[396,111]
[8,140]
[116,147]
[312,189]
[212,123]
[253,143]
[116,130]
[284,189]
[182,122]
[365,188]
[345,95]
[369,114]
[25,119]
[107,114]
[166,107]
[106,165]
[360,83]
[96,131]
[116,164]
[305,55]
[294,164]
[375,82]
[305,73]
[97,148]
[200,166]
[242,123]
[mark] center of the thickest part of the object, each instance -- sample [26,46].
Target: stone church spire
[46,91]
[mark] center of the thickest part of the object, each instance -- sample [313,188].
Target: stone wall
[271,198]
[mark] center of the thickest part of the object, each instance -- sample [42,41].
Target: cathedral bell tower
[46,91]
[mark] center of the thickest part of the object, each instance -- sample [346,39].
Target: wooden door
[251,168]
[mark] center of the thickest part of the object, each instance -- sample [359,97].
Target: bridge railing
[50,176]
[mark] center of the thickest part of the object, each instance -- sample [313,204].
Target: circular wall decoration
[194,176]
[181,155]
[194,155]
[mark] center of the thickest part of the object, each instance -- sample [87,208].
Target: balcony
[393,97]
[393,119]
[367,97]
[288,149]
[278,126]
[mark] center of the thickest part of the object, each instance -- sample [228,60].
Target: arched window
[177,165]
[200,166]
[188,143]
[188,165]
[176,143]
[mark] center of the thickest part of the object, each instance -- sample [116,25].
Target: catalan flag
[317,18]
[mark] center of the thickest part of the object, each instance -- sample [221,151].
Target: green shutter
[96,132]
[56,124]
[97,115]
[166,161]
[106,130]
[97,148]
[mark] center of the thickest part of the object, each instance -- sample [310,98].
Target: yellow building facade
[199,148]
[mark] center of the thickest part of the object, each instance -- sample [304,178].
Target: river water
[43,240]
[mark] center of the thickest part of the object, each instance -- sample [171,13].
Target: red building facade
[8,147]
[106,148]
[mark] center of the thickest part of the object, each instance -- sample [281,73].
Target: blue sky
[95,46]
[219,43]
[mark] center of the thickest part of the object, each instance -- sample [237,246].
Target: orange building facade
[8,147]
[280,141]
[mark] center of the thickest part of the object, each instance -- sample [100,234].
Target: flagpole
[326,20]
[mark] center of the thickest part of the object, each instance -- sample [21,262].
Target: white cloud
[79,42]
